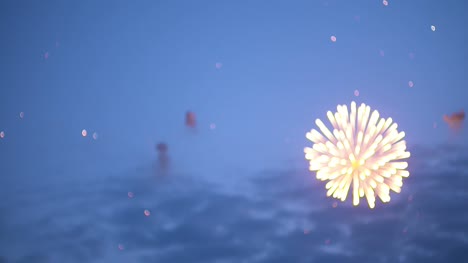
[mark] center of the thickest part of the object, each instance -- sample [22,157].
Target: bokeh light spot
[410,84]
[218,65]
[130,195]
[2,134]
[121,247]
[356,93]
[84,133]
[433,28]
[21,115]
[385,2]
[95,136]
[212,126]
[333,38]
[147,212]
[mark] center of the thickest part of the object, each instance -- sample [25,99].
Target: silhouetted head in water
[161,148]
[455,120]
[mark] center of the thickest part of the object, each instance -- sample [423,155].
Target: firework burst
[361,151]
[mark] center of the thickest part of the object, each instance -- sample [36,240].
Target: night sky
[237,188]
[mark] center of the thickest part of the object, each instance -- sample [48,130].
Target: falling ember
[130,195]
[147,213]
[21,115]
[385,2]
[121,247]
[410,84]
[362,151]
[433,28]
[95,136]
[84,133]
[356,93]
[2,134]
[333,38]
[219,65]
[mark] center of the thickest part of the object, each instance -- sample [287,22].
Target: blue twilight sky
[129,70]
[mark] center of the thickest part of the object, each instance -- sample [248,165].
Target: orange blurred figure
[190,119]
[455,120]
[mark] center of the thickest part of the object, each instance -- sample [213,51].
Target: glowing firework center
[362,151]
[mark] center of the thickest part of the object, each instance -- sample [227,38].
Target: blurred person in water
[190,121]
[163,158]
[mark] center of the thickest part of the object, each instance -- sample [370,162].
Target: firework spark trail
[362,150]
